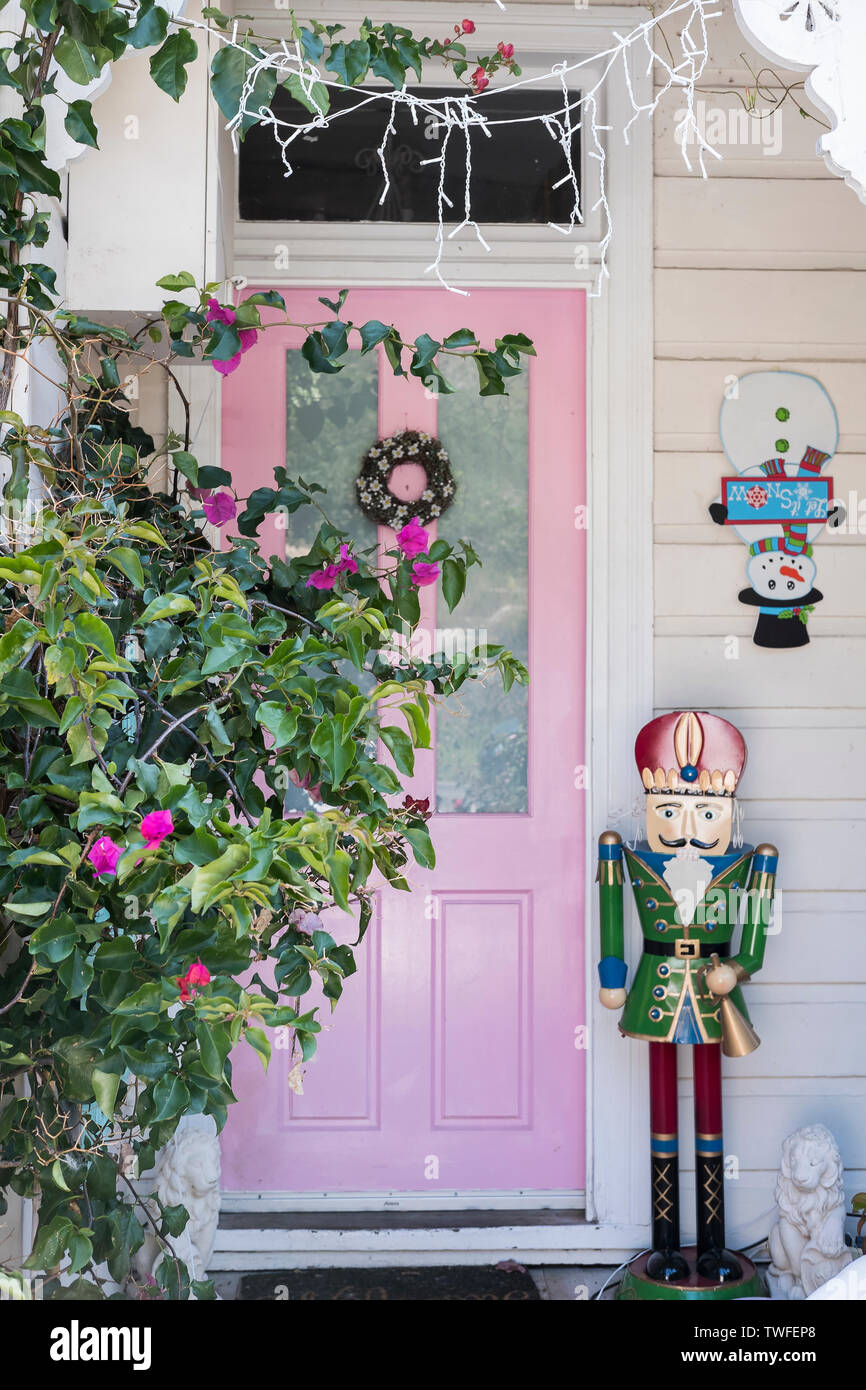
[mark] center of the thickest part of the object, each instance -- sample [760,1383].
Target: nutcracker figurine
[691,890]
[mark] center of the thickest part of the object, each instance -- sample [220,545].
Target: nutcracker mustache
[681,844]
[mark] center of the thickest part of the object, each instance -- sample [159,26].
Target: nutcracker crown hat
[687,752]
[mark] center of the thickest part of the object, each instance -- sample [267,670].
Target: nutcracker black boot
[714,1262]
[665,1263]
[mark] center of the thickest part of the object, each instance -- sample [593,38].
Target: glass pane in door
[331,421]
[482,738]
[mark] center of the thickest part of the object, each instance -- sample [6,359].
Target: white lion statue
[187,1173]
[807,1243]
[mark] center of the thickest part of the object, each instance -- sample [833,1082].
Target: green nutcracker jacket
[669,1000]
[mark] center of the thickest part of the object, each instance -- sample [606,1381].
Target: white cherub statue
[807,1243]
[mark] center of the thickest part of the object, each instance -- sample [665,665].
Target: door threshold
[274,1240]
[520,1199]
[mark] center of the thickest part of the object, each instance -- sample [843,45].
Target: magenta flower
[225,366]
[197,976]
[155,826]
[424,573]
[219,313]
[222,313]
[104,856]
[219,508]
[323,579]
[347,564]
[413,539]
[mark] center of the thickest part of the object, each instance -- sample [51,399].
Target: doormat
[470,1283]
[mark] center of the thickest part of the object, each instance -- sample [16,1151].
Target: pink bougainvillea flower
[347,564]
[199,493]
[198,974]
[468,26]
[423,573]
[506,51]
[222,313]
[417,807]
[413,539]
[219,313]
[195,978]
[326,578]
[104,856]
[155,826]
[219,508]
[323,579]
[480,80]
[225,366]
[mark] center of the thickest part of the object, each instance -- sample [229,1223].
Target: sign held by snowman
[778,430]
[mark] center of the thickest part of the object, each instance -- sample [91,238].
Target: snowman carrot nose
[791,573]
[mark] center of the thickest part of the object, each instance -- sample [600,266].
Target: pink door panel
[450,1063]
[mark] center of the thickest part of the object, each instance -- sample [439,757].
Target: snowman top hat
[768,415]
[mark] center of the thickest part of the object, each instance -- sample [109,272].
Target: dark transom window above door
[337,174]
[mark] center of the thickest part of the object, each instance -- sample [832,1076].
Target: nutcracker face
[676,823]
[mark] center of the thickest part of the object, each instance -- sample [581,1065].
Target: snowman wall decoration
[778,430]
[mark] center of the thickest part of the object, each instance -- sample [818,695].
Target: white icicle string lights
[463,113]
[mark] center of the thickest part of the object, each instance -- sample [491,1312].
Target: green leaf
[335,751]
[453,582]
[117,954]
[171,1098]
[52,1243]
[93,632]
[210,878]
[388,64]
[169,64]
[182,281]
[228,77]
[349,61]
[279,721]
[318,100]
[150,29]
[53,941]
[78,123]
[208,1051]
[105,1087]
[15,644]
[373,332]
[258,1040]
[124,558]
[422,846]
[399,745]
[174,1220]
[78,60]
[165,605]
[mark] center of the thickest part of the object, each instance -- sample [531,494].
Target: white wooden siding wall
[761,266]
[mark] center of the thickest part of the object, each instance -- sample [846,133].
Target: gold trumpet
[738,1036]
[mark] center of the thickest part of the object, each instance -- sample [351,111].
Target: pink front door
[453,1062]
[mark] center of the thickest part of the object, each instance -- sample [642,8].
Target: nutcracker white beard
[687,876]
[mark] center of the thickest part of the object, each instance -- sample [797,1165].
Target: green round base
[637,1286]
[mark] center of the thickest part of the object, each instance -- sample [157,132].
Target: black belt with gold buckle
[687,950]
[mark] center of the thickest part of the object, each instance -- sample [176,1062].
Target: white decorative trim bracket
[827,39]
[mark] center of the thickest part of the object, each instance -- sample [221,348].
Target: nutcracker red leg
[665,1263]
[714,1261]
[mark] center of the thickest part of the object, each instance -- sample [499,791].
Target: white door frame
[619,489]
